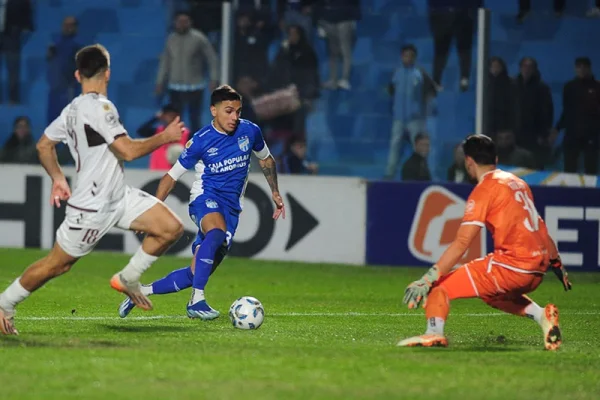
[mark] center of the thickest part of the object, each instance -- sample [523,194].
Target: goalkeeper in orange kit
[523,252]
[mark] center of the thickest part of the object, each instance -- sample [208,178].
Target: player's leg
[214,227]
[460,284]
[183,278]
[147,214]
[517,303]
[56,263]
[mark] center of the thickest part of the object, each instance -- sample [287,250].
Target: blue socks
[205,257]
[174,282]
[183,278]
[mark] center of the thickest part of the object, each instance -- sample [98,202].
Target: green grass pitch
[329,333]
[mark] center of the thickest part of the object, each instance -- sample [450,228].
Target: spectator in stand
[453,19]
[533,111]
[594,11]
[251,45]
[20,146]
[159,160]
[296,12]
[580,119]
[296,63]
[457,172]
[16,18]
[61,68]
[206,17]
[338,20]
[412,89]
[180,69]
[247,87]
[525,9]
[294,161]
[416,167]
[510,154]
[499,109]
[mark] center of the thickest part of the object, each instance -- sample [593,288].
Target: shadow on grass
[144,328]
[15,341]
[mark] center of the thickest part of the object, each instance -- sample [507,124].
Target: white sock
[138,264]
[535,312]
[197,295]
[13,295]
[435,326]
[147,290]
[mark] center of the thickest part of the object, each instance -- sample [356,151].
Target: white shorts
[81,230]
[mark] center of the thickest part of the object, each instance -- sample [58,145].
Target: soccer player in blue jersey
[220,155]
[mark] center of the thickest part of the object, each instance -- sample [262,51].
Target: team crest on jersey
[244,143]
[437,218]
[211,204]
[106,107]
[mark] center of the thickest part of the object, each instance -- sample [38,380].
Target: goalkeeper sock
[534,311]
[174,282]
[205,257]
[435,326]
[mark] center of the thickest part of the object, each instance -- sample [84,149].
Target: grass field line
[290,314]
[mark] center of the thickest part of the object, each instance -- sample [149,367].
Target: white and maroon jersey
[89,125]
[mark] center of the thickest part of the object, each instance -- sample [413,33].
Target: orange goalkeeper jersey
[503,203]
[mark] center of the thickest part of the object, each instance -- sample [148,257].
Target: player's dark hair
[224,93]
[481,149]
[92,60]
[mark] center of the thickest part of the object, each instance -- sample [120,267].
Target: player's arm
[556,264]
[168,182]
[464,237]
[189,157]
[46,149]
[474,219]
[269,168]
[107,124]
[129,149]
[55,133]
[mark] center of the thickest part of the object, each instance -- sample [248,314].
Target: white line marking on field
[292,314]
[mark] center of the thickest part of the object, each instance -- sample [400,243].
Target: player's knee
[172,231]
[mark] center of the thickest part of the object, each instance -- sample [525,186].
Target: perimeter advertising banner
[325,219]
[411,224]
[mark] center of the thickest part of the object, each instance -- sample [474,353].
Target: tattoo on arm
[269,169]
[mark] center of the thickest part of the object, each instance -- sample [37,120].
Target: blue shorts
[206,204]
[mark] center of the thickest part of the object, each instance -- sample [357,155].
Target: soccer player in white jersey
[100,200]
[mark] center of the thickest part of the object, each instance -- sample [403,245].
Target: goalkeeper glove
[416,293]
[561,273]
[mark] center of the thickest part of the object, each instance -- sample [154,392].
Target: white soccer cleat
[7,323]
[424,341]
[551,328]
[133,290]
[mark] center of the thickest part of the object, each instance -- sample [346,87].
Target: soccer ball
[247,313]
[173,152]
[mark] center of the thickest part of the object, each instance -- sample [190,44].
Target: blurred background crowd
[370,88]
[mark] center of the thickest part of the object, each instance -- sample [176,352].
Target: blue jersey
[222,162]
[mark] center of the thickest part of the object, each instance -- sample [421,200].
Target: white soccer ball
[247,313]
[173,152]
